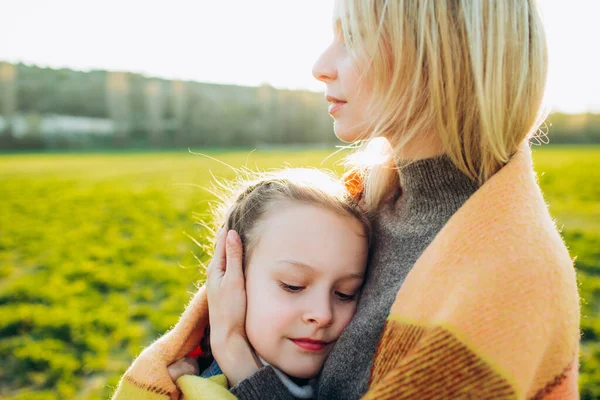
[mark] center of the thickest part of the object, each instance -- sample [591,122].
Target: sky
[250,42]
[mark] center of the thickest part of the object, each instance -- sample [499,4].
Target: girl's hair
[251,199]
[471,72]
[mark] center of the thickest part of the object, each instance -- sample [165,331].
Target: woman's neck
[420,147]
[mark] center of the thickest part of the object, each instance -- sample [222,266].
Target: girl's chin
[301,377]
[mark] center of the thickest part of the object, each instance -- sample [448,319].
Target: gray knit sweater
[432,191]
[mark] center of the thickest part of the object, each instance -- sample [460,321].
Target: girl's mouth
[310,345]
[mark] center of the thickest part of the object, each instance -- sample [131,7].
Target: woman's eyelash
[290,288]
[344,41]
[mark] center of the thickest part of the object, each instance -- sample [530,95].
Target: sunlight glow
[248,43]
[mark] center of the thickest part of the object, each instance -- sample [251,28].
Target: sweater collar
[433,185]
[299,392]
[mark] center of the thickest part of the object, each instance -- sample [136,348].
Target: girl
[483,302]
[305,243]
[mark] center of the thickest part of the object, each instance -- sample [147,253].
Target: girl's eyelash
[345,297]
[296,289]
[290,288]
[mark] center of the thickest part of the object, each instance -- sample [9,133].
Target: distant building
[52,125]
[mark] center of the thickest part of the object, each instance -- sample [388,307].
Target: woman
[470,291]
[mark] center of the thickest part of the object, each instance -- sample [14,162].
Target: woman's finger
[234,256]
[219,259]
[185,366]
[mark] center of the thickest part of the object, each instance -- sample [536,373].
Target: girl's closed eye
[346,297]
[296,289]
[290,288]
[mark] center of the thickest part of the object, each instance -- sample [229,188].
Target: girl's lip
[309,344]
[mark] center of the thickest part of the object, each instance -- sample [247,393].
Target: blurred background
[103,109]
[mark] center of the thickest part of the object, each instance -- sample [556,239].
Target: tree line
[133,110]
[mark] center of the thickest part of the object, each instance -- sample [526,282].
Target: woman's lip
[332,99]
[334,107]
[309,344]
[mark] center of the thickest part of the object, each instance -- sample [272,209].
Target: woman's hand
[185,366]
[226,290]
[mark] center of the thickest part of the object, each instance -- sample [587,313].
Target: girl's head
[305,249]
[461,77]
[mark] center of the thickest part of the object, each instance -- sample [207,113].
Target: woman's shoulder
[502,240]
[508,212]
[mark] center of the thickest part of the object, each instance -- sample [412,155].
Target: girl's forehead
[317,270]
[310,239]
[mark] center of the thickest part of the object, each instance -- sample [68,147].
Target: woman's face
[302,282]
[348,96]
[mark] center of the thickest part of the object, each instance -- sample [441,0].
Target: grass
[95,261]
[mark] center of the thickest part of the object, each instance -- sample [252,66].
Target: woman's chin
[346,134]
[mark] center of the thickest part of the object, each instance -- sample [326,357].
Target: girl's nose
[319,314]
[324,68]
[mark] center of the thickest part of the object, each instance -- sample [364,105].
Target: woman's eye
[345,42]
[345,297]
[290,288]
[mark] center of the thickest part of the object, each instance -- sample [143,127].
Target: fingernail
[232,237]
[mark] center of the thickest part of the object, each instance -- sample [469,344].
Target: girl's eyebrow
[352,277]
[297,264]
[312,269]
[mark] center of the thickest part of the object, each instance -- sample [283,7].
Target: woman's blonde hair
[471,72]
[246,202]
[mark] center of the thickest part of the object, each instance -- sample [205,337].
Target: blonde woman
[470,291]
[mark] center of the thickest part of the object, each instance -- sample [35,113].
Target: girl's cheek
[258,302]
[267,302]
[346,314]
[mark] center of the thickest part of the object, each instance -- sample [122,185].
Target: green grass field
[95,261]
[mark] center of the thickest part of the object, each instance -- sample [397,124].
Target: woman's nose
[324,68]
